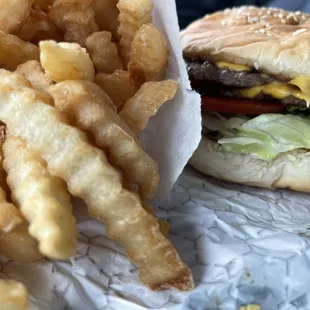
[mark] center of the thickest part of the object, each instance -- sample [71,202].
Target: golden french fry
[106,14]
[92,112]
[76,19]
[19,245]
[133,14]
[118,86]
[38,27]
[43,5]
[13,295]
[66,61]
[47,208]
[14,51]
[103,52]
[13,13]
[34,73]
[10,216]
[3,184]
[164,226]
[148,56]
[89,176]
[137,111]
[15,241]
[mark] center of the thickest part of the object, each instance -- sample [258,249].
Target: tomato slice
[237,106]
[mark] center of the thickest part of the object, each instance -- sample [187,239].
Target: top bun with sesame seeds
[270,40]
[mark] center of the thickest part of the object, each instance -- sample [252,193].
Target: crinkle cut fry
[34,73]
[13,295]
[132,15]
[3,184]
[75,18]
[90,107]
[15,241]
[137,111]
[13,14]
[38,27]
[47,208]
[163,225]
[90,177]
[14,51]
[148,55]
[10,216]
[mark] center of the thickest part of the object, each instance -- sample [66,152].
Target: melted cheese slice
[232,67]
[299,87]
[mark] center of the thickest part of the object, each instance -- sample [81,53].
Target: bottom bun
[288,170]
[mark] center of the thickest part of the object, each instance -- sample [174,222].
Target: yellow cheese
[233,67]
[302,82]
[299,87]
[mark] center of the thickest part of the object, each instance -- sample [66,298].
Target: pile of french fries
[80,80]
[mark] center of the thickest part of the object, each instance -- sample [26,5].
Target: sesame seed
[256,66]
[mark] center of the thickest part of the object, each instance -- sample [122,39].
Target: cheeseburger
[252,68]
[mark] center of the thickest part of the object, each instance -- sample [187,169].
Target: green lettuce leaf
[225,126]
[269,135]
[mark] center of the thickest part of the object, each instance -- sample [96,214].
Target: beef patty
[227,83]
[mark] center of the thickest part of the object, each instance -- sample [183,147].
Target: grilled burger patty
[205,70]
[214,81]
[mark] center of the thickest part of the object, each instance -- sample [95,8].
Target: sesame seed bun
[271,40]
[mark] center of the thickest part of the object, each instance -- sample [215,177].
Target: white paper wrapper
[174,133]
